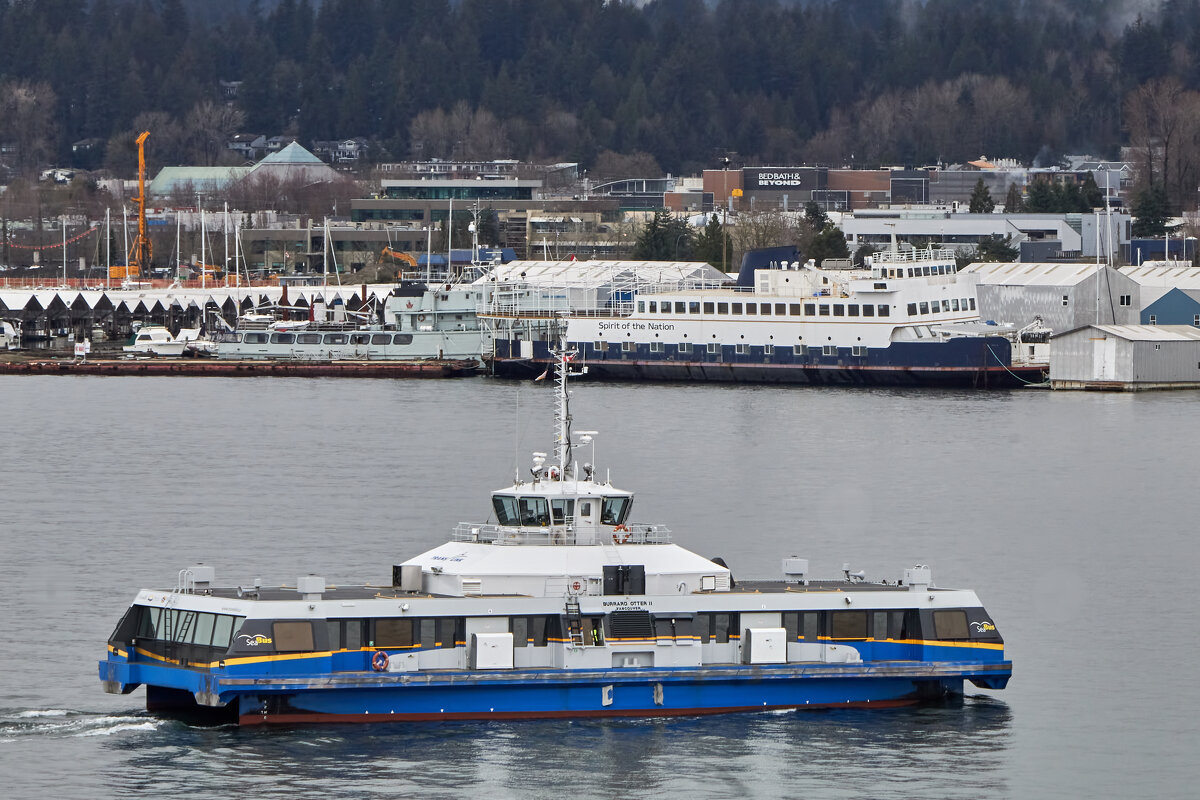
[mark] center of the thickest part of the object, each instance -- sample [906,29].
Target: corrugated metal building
[1065,296]
[1168,292]
[1126,357]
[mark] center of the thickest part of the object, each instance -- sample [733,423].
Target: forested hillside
[863,82]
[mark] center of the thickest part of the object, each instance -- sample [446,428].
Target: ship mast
[562,412]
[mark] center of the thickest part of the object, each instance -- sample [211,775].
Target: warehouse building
[1126,357]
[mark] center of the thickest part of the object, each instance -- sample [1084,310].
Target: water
[1070,514]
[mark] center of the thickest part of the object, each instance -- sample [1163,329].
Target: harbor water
[1069,513]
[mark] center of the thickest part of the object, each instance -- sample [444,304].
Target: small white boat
[10,335]
[156,340]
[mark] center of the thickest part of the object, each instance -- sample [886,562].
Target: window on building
[1153,319]
[1126,300]
[1066,299]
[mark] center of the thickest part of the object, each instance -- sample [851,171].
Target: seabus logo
[253,640]
[983,627]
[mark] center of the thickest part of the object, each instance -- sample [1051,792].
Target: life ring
[420,317]
[621,534]
[379,661]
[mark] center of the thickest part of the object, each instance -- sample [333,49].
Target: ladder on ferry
[574,621]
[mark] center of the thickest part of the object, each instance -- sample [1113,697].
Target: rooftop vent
[310,587]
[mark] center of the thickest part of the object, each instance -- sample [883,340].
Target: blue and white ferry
[907,317]
[560,605]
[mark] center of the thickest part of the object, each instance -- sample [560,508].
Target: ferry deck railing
[581,299]
[487,533]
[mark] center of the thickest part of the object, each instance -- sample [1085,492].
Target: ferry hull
[979,363]
[534,694]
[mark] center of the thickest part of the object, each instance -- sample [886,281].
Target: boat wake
[60,722]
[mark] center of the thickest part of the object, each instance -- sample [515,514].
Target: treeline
[675,83]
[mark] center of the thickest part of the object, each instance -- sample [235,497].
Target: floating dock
[240,369]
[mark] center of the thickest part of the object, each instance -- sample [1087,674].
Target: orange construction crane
[399,256]
[141,252]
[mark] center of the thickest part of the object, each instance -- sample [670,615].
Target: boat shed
[1168,292]
[1126,357]
[1065,295]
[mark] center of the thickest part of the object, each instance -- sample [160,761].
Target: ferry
[559,605]
[420,321]
[907,317]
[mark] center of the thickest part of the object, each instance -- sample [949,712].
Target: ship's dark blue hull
[979,362]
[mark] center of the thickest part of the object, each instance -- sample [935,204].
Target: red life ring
[379,661]
[621,534]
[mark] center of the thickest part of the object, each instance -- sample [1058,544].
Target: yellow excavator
[399,256]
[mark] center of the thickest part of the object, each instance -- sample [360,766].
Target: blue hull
[966,362]
[388,697]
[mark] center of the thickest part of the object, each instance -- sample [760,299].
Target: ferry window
[950,624]
[829,350]
[427,636]
[184,620]
[585,508]
[879,625]
[628,347]
[858,350]
[680,307]
[972,303]
[910,272]
[848,625]
[824,311]
[794,309]
[354,634]
[402,338]
[283,338]
[703,627]
[223,630]
[539,631]
[839,310]
[308,338]
[924,308]
[898,625]
[810,309]
[360,338]
[653,306]
[673,628]
[694,307]
[394,633]
[506,510]
[954,304]
[912,309]
[852,310]
[884,311]
[656,347]
[725,627]
[665,308]
[563,510]
[799,349]
[868,311]
[742,349]
[381,338]
[768,349]
[615,510]
[204,629]
[751,309]
[447,631]
[148,623]
[598,347]
[519,628]
[810,627]
[926,271]
[335,338]
[945,305]
[791,625]
[709,308]
[534,511]
[765,310]
[685,347]
[256,338]
[722,308]
[292,637]
[641,306]
[714,347]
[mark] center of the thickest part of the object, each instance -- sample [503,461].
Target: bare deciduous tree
[27,123]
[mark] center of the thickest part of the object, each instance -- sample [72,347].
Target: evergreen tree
[664,238]
[1041,199]
[1150,213]
[997,248]
[830,242]
[708,244]
[1013,202]
[1093,195]
[981,199]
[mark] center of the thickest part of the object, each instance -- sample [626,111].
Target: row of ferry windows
[922,271]
[934,306]
[538,511]
[764,309]
[187,627]
[741,349]
[256,337]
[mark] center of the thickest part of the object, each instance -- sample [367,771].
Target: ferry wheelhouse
[906,318]
[560,605]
